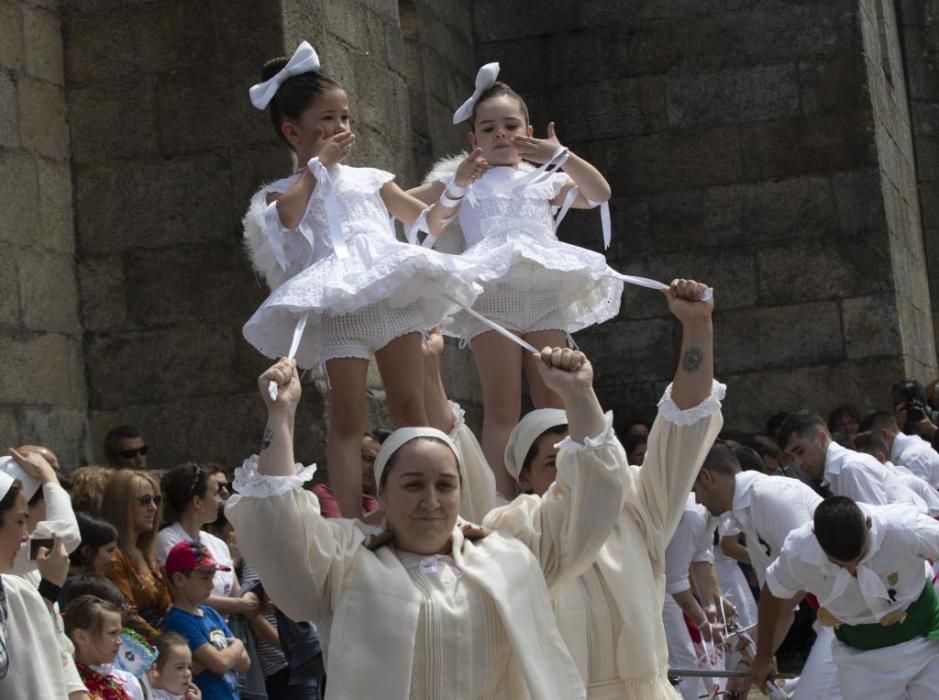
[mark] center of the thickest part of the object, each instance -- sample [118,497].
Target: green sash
[922,620]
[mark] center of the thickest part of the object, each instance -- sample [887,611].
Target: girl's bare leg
[499,364]
[348,421]
[401,365]
[541,395]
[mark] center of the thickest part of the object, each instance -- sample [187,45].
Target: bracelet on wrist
[49,590]
[447,201]
[453,189]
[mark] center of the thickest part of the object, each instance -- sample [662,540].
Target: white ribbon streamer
[333,215]
[485,78]
[294,346]
[304,60]
[420,224]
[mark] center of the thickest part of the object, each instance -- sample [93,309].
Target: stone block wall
[772,148]
[166,152]
[919,31]
[750,144]
[43,395]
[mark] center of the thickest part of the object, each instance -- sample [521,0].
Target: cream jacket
[632,560]
[365,604]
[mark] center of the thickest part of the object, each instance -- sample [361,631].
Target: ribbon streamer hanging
[294,346]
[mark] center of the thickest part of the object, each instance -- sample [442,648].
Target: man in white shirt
[690,545]
[909,451]
[867,567]
[871,444]
[805,438]
[767,509]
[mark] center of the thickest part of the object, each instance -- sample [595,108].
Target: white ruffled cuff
[604,438]
[248,482]
[459,416]
[689,416]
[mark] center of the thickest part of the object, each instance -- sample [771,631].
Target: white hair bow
[304,60]
[485,79]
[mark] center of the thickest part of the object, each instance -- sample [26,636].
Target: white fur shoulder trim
[444,168]
[257,244]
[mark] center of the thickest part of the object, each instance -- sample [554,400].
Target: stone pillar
[754,145]
[42,377]
[919,30]
[166,152]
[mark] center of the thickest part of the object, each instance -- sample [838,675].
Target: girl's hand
[537,150]
[193,692]
[336,148]
[565,371]
[284,372]
[433,346]
[471,168]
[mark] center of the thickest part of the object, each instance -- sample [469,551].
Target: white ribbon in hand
[485,79]
[333,215]
[304,60]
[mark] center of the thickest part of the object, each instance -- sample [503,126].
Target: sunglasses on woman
[147,499]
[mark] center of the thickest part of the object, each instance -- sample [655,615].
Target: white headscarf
[401,437]
[10,467]
[485,79]
[6,481]
[532,426]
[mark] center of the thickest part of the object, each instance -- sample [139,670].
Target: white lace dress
[358,286]
[531,280]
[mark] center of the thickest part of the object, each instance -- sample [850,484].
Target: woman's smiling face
[421,496]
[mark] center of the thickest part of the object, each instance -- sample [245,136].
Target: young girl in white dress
[534,285]
[344,287]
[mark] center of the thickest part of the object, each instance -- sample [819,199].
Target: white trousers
[908,671]
[680,648]
[819,678]
[735,588]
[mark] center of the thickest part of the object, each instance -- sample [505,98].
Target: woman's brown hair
[87,488]
[117,507]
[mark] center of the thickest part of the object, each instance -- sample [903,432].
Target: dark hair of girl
[499,89]
[78,586]
[95,533]
[295,94]
[9,498]
[87,613]
[393,459]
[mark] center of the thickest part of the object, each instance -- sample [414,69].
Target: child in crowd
[94,626]
[344,287]
[190,570]
[171,675]
[533,284]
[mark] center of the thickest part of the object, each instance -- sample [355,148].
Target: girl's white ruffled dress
[531,280]
[344,269]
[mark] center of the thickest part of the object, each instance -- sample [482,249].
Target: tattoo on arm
[692,359]
[266,438]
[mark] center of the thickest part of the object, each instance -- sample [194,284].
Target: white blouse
[461,648]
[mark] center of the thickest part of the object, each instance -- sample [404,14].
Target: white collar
[743,489]
[835,456]
[901,442]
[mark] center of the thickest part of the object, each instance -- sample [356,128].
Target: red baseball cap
[188,556]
